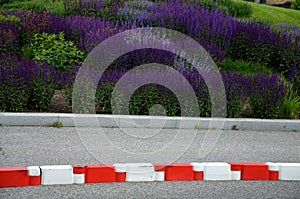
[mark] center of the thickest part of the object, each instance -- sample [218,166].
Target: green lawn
[275,14]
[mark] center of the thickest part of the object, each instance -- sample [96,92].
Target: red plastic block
[254,171]
[79,168]
[235,166]
[179,171]
[120,176]
[198,175]
[99,173]
[14,176]
[273,175]
[34,180]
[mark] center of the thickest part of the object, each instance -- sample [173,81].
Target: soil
[59,103]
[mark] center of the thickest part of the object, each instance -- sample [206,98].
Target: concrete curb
[146,172]
[122,121]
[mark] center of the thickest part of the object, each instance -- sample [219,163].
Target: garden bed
[41,52]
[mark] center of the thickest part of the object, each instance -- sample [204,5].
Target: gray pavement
[192,189]
[27,146]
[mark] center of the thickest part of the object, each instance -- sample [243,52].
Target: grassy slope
[275,14]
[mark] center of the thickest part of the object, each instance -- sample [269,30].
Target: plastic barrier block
[57,174]
[217,171]
[235,166]
[138,172]
[79,168]
[160,169]
[95,173]
[236,170]
[273,170]
[34,174]
[179,172]
[254,171]
[120,170]
[79,173]
[198,169]
[14,176]
[159,176]
[289,171]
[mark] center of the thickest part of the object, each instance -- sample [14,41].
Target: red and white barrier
[34,174]
[273,170]
[141,172]
[57,174]
[179,172]
[97,173]
[217,171]
[198,169]
[79,173]
[14,177]
[160,170]
[236,170]
[289,171]
[120,170]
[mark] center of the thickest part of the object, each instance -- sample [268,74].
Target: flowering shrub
[267,95]
[9,37]
[91,22]
[26,84]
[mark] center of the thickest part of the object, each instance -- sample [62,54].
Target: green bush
[140,103]
[2,2]
[12,98]
[103,95]
[9,19]
[234,107]
[144,99]
[39,95]
[23,5]
[55,50]
[291,105]
[233,8]
[84,96]
[243,67]
[296,4]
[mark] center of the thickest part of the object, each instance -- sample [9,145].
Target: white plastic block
[235,175]
[273,166]
[197,166]
[289,171]
[57,174]
[78,179]
[159,175]
[139,172]
[120,168]
[34,171]
[216,171]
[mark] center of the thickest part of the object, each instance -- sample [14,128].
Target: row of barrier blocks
[141,172]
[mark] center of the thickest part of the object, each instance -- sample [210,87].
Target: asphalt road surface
[28,146]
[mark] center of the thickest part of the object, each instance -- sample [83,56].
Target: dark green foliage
[296,4]
[12,98]
[39,95]
[2,2]
[243,67]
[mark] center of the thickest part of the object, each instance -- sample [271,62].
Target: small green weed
[56,124]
